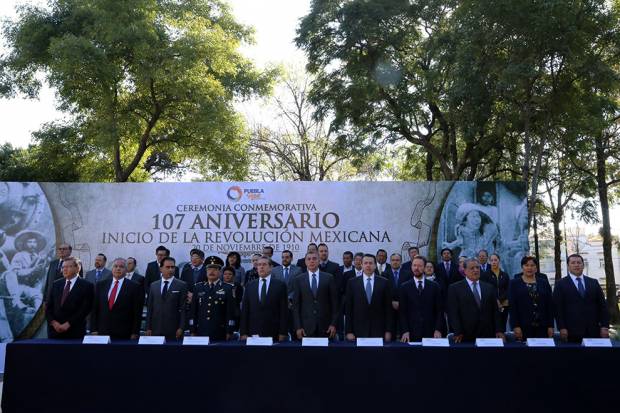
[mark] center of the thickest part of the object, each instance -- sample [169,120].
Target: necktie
[59,269]
[65,292]
[165,290]
[476,294]
[98,275]
[196,274]
[420,287]
[368,290]
[447,266]
[396,277]
[580,287]
[112,297]
[286,274]
[314,285]
[263,291]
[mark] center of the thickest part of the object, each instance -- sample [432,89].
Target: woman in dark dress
[500,280]
[233,259]
[531,305]
[228,276]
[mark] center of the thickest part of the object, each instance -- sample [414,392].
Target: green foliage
[480,86]
[143,80]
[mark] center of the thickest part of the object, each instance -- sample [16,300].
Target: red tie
[113,295]
[65,292]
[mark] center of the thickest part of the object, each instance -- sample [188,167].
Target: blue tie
[315,287]
[98,275]
[286,274]
[580,287]
[396,277]
[368,290]
[196,274]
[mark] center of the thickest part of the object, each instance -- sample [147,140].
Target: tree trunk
[610,280]
[536,247]
[429,166]
[557,243]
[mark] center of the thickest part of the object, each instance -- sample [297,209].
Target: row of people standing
[532,311]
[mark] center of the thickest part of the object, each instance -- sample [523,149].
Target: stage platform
[64,376]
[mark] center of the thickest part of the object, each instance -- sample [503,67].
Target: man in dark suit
[100,272]
[325,264]
[165,314]
[54,271]
[315,301]
[194,271]
[382,264]
[268,251]
[132,274]
[342,284]
[347,262]
[301,263]
[368,305]
[420,305]
[69,302]
[153,272]
[117,311]
[412,251]
[580,307]
[472,307]
[447,271]
[355,272]
[483,258]
[396,277]
[252,274]
[264,309]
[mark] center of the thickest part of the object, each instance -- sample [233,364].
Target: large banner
[121,220]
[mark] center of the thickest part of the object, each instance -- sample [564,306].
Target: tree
[298,146]
[143,80]
[604,167]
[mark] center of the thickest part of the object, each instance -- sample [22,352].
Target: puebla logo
[234,193]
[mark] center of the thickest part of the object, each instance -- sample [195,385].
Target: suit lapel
[573,287]
[121,293]
[375,286]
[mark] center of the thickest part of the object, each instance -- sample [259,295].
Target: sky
[275,23]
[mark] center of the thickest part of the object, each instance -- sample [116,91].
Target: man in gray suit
[287,271]
[315,301]
[100,272]
[165,312]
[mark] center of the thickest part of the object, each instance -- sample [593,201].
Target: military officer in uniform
[213,305]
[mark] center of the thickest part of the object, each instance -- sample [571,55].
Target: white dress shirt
[416,280]
[310,277]
[372,281]
[72,281]
[129,275]
[574,278]
[381,267]
[471,287]
[358,273]
[345,269]
[118,290]
[260,285]
[163,280]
